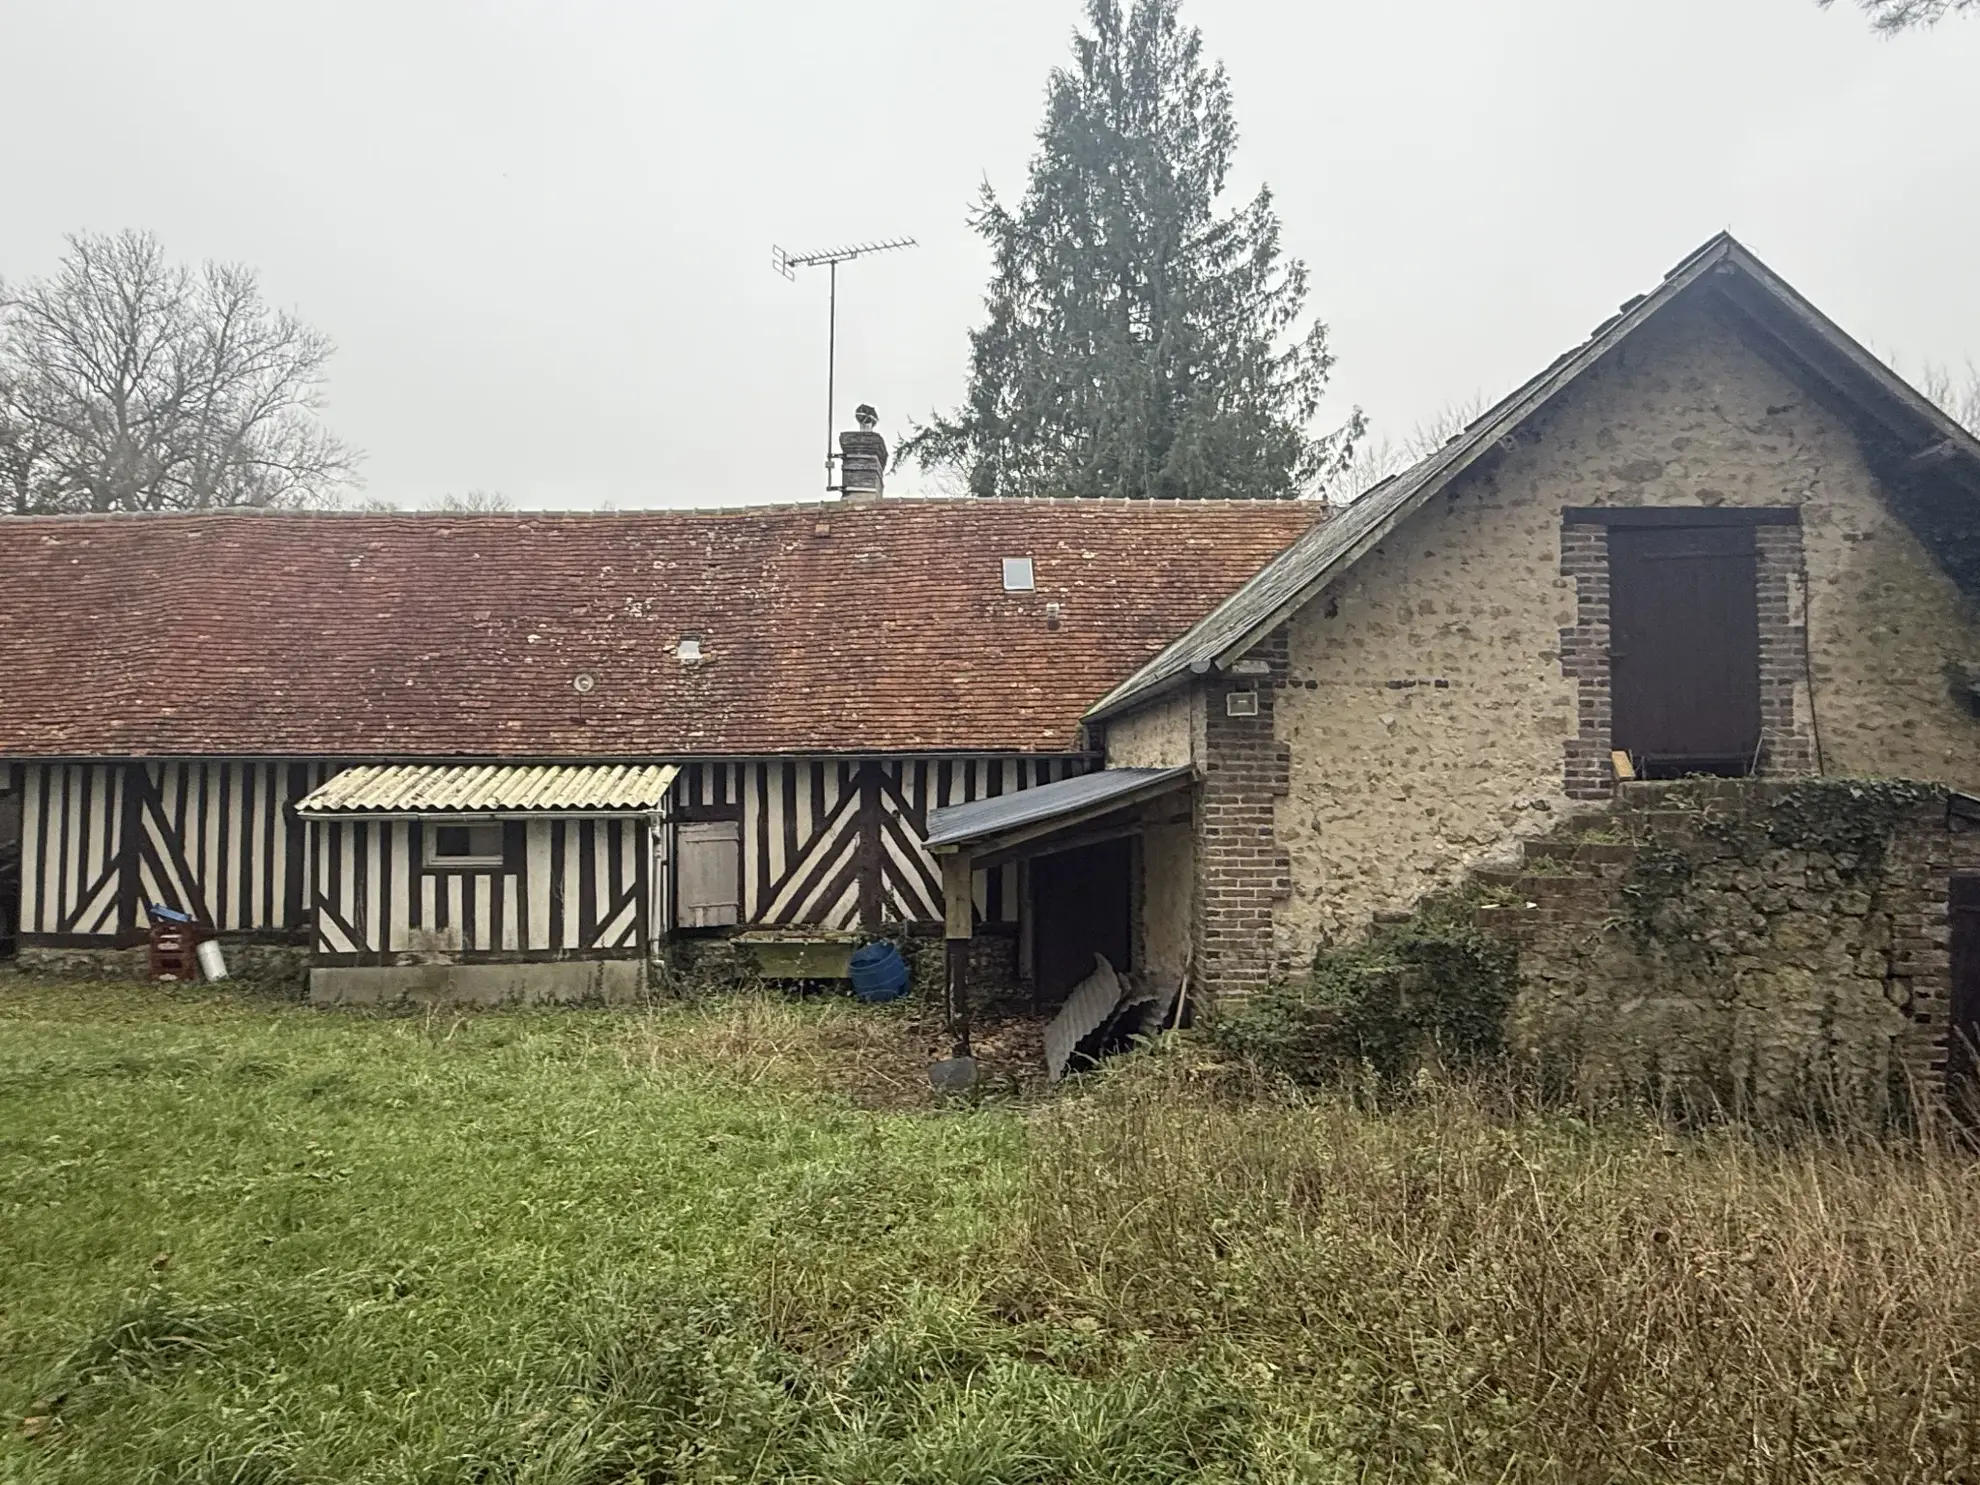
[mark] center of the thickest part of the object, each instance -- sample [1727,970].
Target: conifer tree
[1142,339]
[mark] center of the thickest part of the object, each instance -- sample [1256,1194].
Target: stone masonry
[1446,698]
[1691,944]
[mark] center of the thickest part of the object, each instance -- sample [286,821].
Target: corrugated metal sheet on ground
[439,788]
[986,817]
[1086,1010]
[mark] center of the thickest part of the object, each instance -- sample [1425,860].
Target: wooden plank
[872,888]
[958,912]
[293,846]
[130,812]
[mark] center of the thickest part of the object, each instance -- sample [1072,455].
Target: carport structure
[1105,866]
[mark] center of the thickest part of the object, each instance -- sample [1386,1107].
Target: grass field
[248,1242]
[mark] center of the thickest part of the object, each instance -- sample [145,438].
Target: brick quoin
[1786,748]
[1241,872]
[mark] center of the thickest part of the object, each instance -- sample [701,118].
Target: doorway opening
[1082,905]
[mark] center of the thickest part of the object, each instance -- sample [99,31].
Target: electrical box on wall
[1241,704]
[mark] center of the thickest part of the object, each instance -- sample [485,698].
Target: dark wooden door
[1684,648]
[1080,907]
[1963,1020]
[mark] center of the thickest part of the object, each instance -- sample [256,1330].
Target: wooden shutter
[708,873]
[1685,647]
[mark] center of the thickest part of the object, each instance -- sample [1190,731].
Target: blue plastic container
[879,974]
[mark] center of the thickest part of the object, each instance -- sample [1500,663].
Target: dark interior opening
[1082,905]
[10,872]
[1727,767]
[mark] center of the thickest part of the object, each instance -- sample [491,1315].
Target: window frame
[432,861]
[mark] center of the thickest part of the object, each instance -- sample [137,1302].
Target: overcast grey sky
[540,232]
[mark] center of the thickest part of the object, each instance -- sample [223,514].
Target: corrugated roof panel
[475,788]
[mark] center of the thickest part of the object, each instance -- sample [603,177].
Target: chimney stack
[862,458]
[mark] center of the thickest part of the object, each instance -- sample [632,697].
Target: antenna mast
[787,264]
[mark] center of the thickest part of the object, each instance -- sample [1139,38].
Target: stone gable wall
[1430,701]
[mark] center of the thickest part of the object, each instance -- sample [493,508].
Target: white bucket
[211,965]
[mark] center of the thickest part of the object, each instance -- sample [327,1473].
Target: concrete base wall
[611,981]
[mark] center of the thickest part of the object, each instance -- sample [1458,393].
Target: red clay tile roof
[827,628]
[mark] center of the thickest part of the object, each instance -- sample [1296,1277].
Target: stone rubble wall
[1166,733]
[1718,941]
[282,969]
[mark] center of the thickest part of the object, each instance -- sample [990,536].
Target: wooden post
[872,849]
[959,926]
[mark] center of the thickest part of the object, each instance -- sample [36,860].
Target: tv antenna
[788,264]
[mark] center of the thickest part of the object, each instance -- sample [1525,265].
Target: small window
[1018,577]
[689,649]
[465,845]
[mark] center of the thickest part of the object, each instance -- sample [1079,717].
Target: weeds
[1457,1292]
[640,1247]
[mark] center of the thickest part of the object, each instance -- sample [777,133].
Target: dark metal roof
[1905,434]
[1080,795]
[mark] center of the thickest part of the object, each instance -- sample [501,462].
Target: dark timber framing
[216,838]
[828,842]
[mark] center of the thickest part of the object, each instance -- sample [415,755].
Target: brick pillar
[1585,661]
[1786,746]
[1925,853]
[1241,874]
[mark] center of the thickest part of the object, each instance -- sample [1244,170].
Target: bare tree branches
[1902,15]
[1957,393]
[1376,460]
[129,383]
[476,502]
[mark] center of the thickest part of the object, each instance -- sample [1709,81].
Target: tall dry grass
[1449,1291]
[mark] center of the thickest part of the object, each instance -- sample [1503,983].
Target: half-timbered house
[1717,537]
[424,747]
